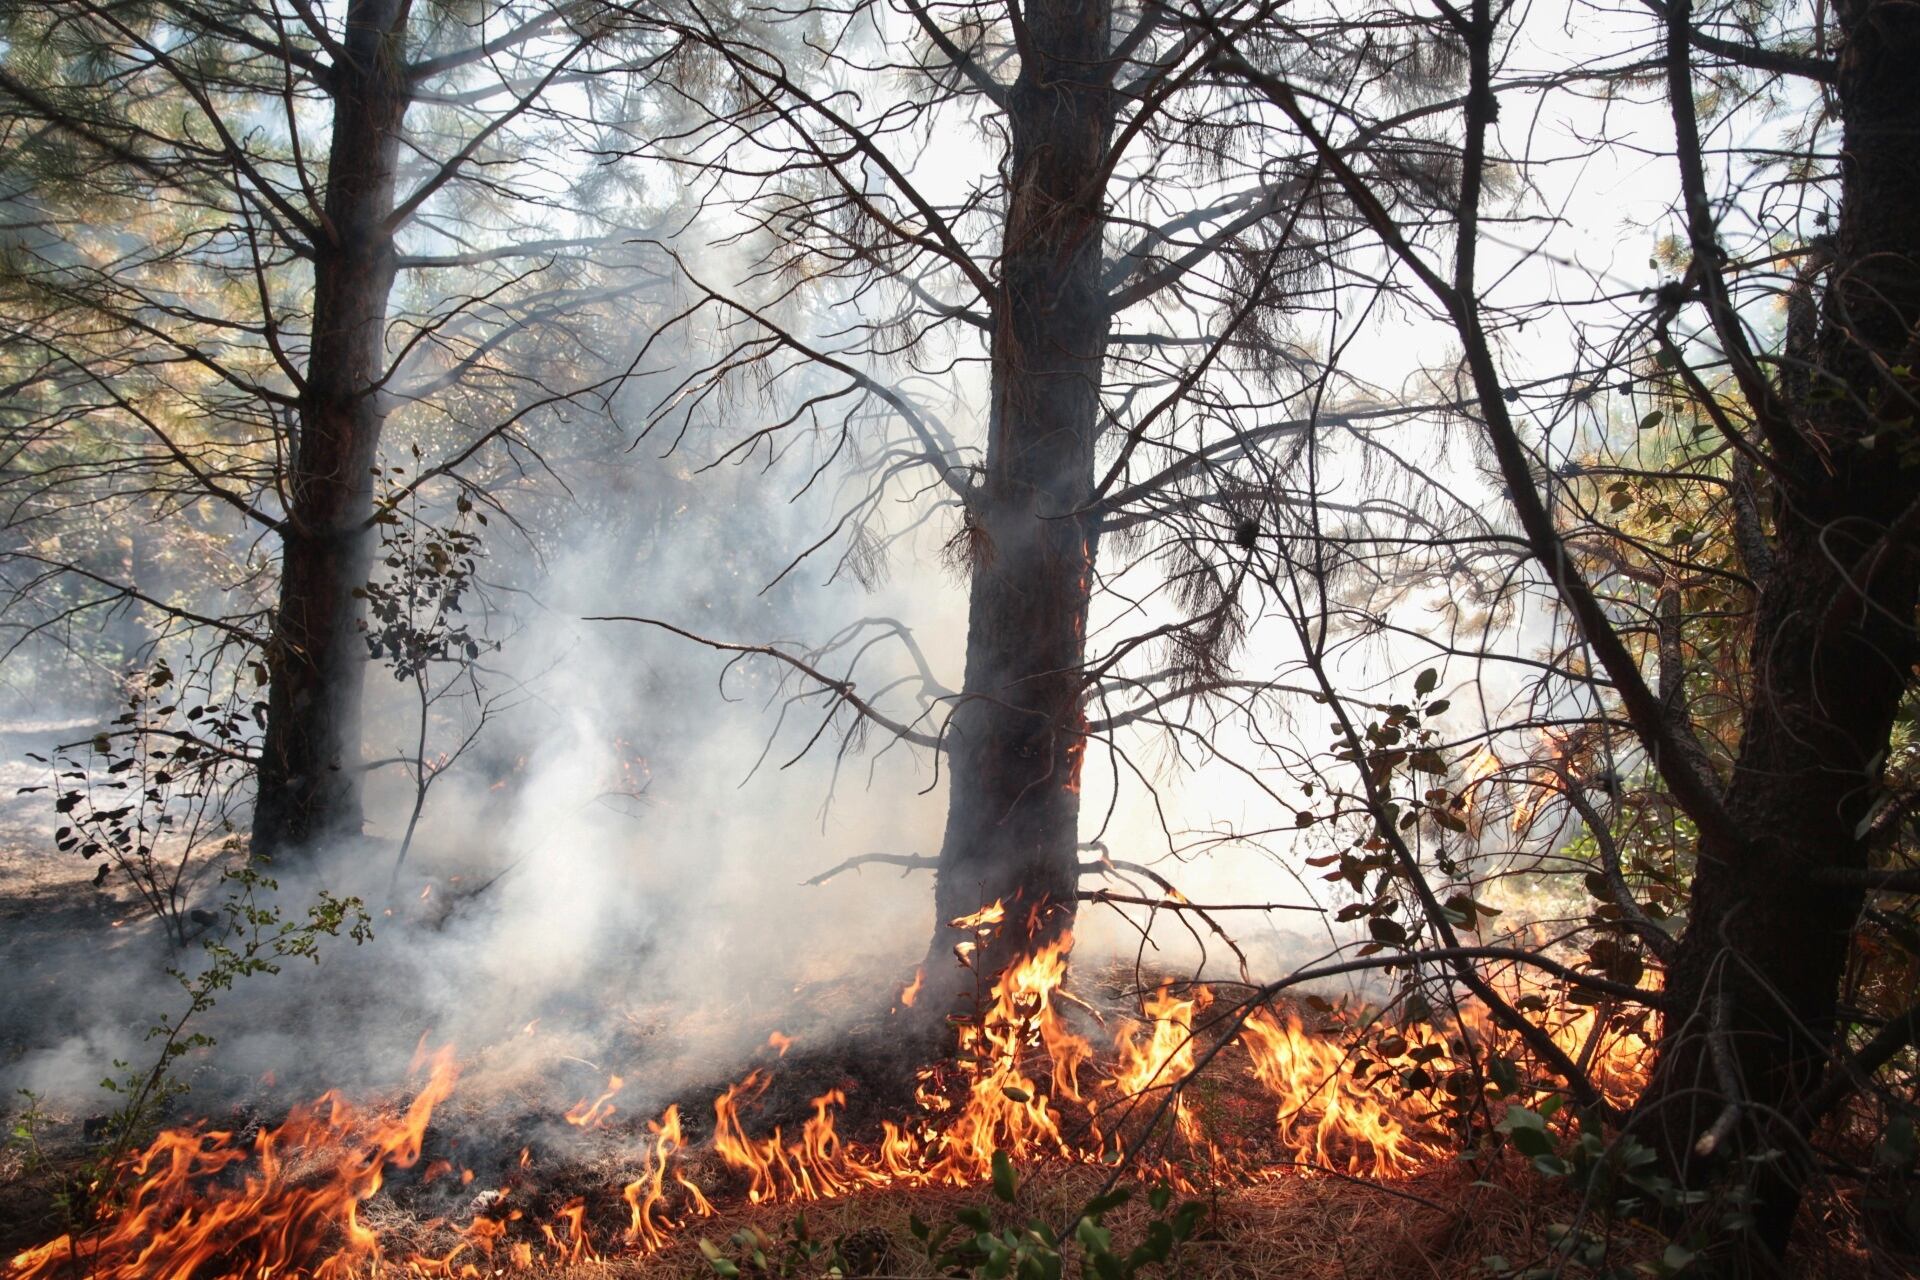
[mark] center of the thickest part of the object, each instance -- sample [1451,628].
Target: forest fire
[496,496]
[293,1210]
[204,1203]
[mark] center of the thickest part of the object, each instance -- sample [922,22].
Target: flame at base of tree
[205,1204]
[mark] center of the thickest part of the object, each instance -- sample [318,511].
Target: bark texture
[1757,972]
[1016,739]
[310,771]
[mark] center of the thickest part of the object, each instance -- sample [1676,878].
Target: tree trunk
[310,770]
[1016,740]
[1755,980]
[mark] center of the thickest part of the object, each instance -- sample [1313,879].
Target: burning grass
[1365,1106]
[1442,1222]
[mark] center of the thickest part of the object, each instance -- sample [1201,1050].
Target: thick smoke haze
[640,841]
[618,859]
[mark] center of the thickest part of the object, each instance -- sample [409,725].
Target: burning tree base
[1204,1092]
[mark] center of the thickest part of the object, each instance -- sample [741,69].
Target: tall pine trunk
[1755,981]
[1017,740]
[310,771]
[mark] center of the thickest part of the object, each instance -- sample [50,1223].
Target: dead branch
[1181,904]
[910,861]
[844,688]
[1107,865]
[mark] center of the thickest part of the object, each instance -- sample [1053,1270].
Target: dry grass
[1439,1225]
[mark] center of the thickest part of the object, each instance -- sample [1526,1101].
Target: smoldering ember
[959,638]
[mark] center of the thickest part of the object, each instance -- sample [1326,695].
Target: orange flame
[1164,1056]
[184,1217]
[591,1115]
[1327,1115]
[911,991]
[204,1207]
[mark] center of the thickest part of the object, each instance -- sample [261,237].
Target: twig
[1180,900]
[1851,1073]
[911,861]
[1721,1054]
[844,688]
[1902,880]
[1181,904]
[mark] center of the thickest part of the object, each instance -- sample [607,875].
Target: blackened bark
[1017,738]
[1834,646]
[310,771]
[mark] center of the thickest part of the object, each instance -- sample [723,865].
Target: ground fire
[1347,1090]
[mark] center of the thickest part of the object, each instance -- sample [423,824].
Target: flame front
[202,1205]
[182,1219]
[1327,1116]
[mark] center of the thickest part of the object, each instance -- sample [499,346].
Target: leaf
[1003,1179]
[1676,1257]
[1388,931]
[1426,682]
[1527,1131]
[1093,1237]
[1652,420]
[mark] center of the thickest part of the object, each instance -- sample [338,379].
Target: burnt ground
[503,1124]
[1439,1225]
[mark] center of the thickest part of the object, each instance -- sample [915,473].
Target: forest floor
[1437,1226]
[1443,1223]
[1453,1222]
